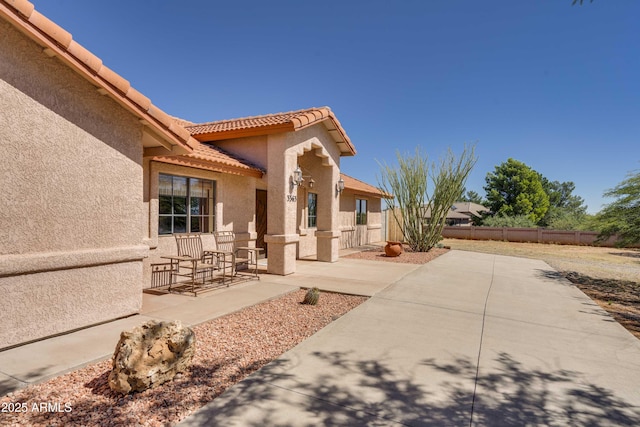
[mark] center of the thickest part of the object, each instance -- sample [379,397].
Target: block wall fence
[392,231]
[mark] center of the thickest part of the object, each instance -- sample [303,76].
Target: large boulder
[150,355]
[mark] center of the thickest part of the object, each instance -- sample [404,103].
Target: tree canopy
[473,197]
[515,189]
[622,216]
[566,210]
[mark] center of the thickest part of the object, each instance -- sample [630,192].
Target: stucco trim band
[330,234]
[11,265]
[282,239]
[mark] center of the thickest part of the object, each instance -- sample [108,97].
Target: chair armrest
[217,253]
[253,252]
[180,258]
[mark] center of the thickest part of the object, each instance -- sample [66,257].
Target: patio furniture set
[195,269]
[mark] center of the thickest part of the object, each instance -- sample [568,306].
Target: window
[361,212]
[312,211]
[186,205]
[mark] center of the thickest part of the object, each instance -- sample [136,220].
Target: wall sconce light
[297,177]
[340,185]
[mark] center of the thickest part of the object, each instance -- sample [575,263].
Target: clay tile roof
[209,157]
[58,42]
[362,187]
[273,123]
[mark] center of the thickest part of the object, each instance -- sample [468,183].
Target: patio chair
[194,263]
[238,255]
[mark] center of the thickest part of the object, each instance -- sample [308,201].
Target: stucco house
[93,173]
[464,213]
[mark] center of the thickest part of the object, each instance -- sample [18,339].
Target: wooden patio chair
[238,255]
[194,263]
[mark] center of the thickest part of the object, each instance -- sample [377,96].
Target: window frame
[360,214]
[312,210]
[209,206]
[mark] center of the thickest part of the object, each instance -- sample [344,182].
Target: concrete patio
[41,360]
[467,339]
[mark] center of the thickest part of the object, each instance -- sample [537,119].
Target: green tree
[517,221]
[473,197]
[566,210]
[622,217]
[423,215]
[515,189]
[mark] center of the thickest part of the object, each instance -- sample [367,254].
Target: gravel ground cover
[407,256]
[228,349]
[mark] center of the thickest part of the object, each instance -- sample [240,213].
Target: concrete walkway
[39,361]
[467,339]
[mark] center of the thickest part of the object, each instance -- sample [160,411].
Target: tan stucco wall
[314,149]
[253,149]
[356,235]
[235,210]
[72,219]
[318,156]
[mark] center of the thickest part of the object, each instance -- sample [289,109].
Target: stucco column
[282,200]
[328,233]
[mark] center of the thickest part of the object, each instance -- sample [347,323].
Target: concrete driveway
[468,339]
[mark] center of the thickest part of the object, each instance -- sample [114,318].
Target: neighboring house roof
[209,157]
[361,187]
[272,123]
[58,42]
[463,210]
[470,208]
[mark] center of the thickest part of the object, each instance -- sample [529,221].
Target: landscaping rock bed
[229,349]
[407,256]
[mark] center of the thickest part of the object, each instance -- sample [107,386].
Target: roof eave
[58,42]
[243,133]
[208,165]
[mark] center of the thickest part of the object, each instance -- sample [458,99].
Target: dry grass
[610,276]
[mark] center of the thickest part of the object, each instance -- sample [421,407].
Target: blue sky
[553,85]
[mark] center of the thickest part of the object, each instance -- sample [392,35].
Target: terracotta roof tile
[24,7]
[59,42]
[115,80]
[182,122]
[297,119]
[210,157]
[89,59]
[358,186]
[50,28]
[273,123]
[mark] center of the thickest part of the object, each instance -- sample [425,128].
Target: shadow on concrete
[9,384]
[508,394]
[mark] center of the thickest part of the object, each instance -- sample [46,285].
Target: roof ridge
[59,42]
[262,116]
[356,179]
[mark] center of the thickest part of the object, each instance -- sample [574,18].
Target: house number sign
[291,198]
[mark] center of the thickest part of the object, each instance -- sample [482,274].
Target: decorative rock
[150,355]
